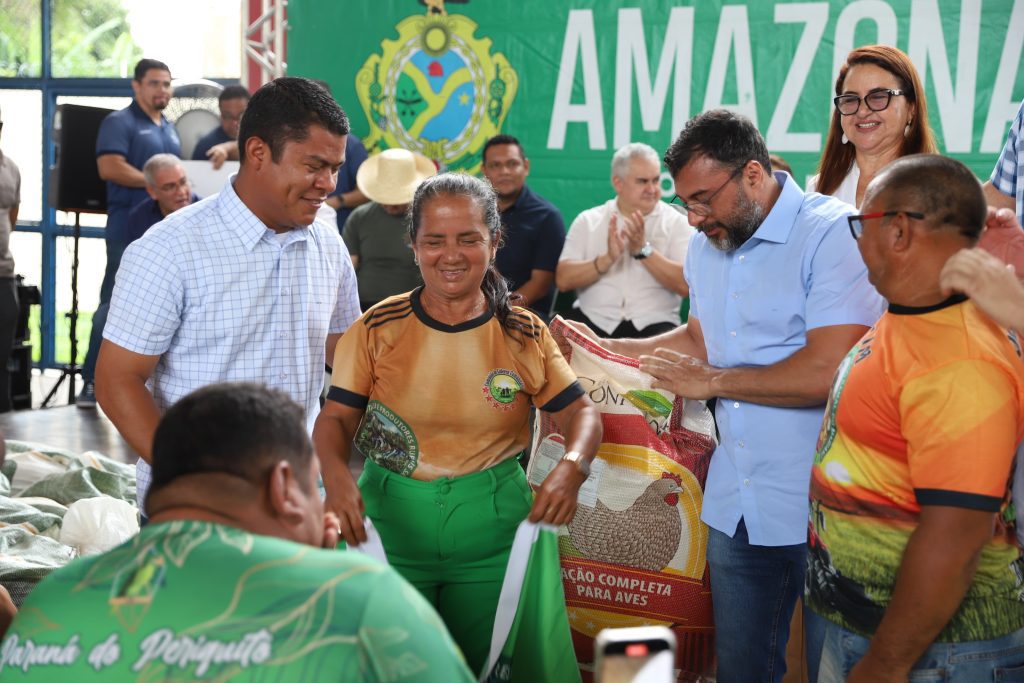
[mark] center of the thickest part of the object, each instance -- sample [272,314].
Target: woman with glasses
[880,115]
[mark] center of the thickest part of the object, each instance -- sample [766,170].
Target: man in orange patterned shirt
[912,559]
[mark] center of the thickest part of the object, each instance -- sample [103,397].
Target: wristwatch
[582,464]
[644,252]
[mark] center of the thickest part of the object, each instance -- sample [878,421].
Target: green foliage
[62,352]
[20,38]
[90,38]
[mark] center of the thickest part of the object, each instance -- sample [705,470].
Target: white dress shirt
[627,291]
[847,190]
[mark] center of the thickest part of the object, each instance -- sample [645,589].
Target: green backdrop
[573,80]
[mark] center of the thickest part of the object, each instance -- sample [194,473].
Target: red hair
[837,158]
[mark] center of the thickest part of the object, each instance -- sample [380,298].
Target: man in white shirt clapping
[625,257]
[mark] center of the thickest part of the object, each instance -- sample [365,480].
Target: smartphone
[644,654]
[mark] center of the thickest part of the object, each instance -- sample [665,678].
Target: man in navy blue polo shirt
[534,229]
[232,102]
[126,140]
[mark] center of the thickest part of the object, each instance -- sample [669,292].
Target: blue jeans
[1000,659]
[114,253]
[754,589]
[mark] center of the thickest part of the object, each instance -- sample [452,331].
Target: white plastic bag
[95,525]
[33,467]
[373,547]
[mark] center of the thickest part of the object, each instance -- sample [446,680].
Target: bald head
[943,189]
[918,212]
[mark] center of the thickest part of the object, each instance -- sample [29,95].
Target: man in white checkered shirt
[245,285]
[1005,189]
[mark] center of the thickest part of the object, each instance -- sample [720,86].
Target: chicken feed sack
[634,554]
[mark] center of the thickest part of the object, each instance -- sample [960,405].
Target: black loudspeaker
[75,183]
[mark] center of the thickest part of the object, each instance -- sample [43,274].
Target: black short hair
[943,189]
[323,84]
[145,65]
[239,428]
[728,138]
[233,92]
[284,109]
[502,140]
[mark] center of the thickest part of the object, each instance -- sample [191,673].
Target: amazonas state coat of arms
[436,90]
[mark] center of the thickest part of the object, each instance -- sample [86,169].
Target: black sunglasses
[876,100]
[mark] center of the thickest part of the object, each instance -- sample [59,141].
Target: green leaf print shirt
[187,601]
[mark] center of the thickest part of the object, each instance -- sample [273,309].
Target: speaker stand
[69,371]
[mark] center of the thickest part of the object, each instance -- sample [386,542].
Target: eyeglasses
[857,222]
[703,208]
[876,100]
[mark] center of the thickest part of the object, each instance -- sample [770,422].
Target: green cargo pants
[451,539]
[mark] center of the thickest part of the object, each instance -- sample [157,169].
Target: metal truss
[263,43]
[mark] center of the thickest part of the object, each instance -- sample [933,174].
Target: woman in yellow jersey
[435,387]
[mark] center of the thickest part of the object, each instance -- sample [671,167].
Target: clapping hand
[616,239]
[633,231]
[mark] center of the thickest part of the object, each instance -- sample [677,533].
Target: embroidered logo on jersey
[388,440]
[501,388]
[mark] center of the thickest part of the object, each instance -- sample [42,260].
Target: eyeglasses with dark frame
[857,222]
[876,100]
[703,207]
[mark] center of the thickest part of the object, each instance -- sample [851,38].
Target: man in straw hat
[624,258]
[376,234]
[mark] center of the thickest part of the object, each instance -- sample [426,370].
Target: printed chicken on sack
[634,554]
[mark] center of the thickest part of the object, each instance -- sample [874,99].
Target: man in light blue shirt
[1005,188]
[243,286]
[778,295]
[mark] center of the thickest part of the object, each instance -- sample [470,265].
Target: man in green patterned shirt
[223,583]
